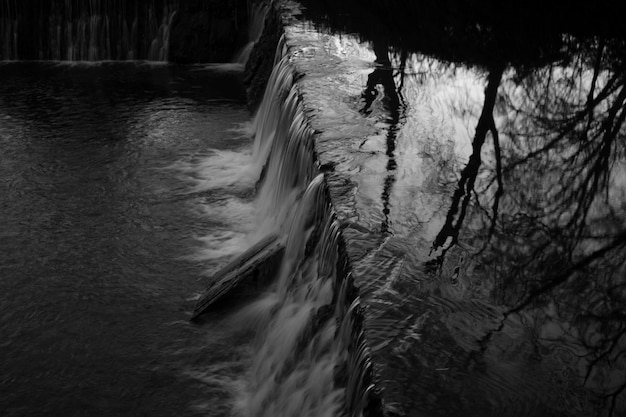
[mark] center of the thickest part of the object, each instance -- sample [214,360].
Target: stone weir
[390,134]
[380,256]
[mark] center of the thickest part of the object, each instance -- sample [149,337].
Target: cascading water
[8,30]
[256,15]
[79,30]
[159,48]
[310,358]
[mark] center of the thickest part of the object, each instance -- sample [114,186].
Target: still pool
[105,237]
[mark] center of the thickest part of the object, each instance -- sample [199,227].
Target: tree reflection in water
[556,248]
[394,107]
[539,210]
[554,244]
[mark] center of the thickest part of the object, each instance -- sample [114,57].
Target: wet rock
[257,263]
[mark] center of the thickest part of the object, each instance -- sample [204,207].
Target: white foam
[221,243]
[231,211]
[257,314]
[244,130]
[222,169]
[221,67]
[220,379]
[234,236]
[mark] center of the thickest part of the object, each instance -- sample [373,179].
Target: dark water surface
[96,233]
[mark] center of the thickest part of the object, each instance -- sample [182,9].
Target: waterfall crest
[310,356]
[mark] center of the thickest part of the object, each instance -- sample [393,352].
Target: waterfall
[9,26]
[256,18]
[159,47]
[81,30]
[310,357]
